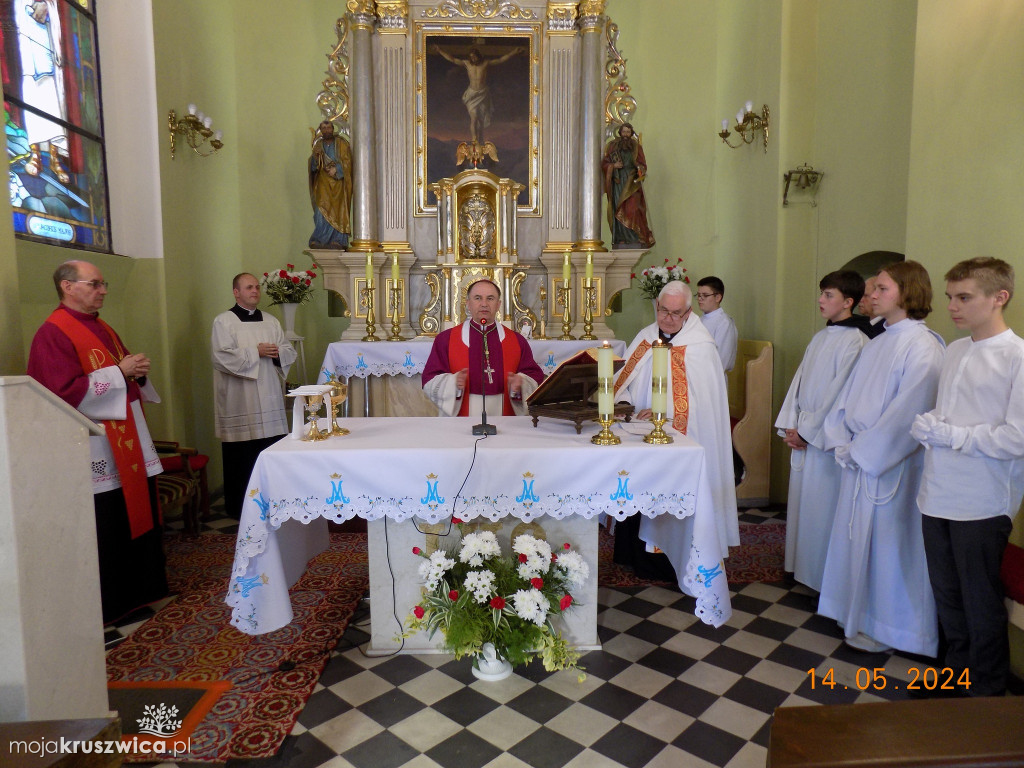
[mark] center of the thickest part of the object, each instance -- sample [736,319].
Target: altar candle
[394,269]
[659,379]
[369,270]
[566,270]
[590,268]
[605,393]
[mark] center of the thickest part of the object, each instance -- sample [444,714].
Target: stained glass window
[52,122]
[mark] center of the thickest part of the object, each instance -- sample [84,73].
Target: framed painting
[483,88]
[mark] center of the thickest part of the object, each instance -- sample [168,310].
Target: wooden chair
[750,406]
[180,486]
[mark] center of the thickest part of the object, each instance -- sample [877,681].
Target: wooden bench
[980,733]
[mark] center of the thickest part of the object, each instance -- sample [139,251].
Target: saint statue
[624,169]
[330,188]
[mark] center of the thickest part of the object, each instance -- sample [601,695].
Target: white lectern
[51,635]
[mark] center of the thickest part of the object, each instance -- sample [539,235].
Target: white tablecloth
[431,468]
[361,359]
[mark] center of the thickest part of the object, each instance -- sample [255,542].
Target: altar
[390,371]
[409,476]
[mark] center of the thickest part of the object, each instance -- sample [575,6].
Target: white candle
[659,379]
[394,269]
[590,269]
[566,270]
[604,361]
[369,270]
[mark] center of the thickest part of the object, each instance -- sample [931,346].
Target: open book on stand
[570,392]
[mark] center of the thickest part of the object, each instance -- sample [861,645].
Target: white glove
[948,435]
[921,429]
[843,458]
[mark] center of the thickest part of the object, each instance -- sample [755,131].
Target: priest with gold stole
[698,406]
[480,357]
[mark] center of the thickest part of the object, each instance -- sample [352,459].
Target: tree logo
[159,721]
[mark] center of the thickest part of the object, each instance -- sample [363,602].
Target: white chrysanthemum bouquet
[476,596]
[654,278]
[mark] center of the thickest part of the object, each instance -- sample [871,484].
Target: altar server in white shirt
[698,406]
[974,474]
[813,474]
[875,583]
[251,358]
[710,292]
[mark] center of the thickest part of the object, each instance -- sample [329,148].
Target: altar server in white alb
[698,406]
[251,358]
[974,474]
[710,293]
[813,473]
[875,583]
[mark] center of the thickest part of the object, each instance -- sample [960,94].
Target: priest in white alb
[698,406]
[480,357]
[251,357]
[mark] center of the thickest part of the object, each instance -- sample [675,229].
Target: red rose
[292,266]
[537,583]
[296,280]
[453,595]
[315,267]
[565,602]
[566,545]
[632,275]
[497,602]
[522,558]
[666,261]
[416,550]
[311,273]
[554,557]
[265,274]
[418,611]
[282,273]
[307,282]
[457,520]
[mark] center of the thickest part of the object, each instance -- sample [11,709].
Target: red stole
[123,435]
[458,358]
[680,386]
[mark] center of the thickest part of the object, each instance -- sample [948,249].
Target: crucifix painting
[478,89]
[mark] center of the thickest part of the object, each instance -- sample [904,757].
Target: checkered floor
[665,690]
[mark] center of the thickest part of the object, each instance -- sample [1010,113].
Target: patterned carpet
[272,675]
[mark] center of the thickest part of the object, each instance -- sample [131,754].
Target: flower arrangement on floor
[475,596]
[285,286]
[653,279]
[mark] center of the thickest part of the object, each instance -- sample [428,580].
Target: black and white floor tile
[665,690]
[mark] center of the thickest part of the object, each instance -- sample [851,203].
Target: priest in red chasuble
[480,357]
[698,406]
[83,361]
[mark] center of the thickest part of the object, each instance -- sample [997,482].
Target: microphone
[483,428]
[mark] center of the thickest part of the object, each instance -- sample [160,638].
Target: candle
[369,270]
[604,361]
[590,268]
[566,270]
[394,269]
[605,405]
[659,379]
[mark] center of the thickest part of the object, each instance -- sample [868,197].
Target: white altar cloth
[362,359]
[431,468]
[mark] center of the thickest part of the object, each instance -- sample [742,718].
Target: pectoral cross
[487,359]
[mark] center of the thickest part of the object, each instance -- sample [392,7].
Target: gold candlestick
[658,436]
[605,436]
[589,303]
[312,407]
[565,298]
[371,328]
[396,296]
[542,322]
[339,393]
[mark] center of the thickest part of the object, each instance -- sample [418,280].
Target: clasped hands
[515,384]
[266,349]
[933,431]
[134,366]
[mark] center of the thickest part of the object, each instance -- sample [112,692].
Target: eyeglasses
[705,295]
[96,284]
[673,315]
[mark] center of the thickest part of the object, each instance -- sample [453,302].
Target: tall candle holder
[396,299]
[659,393]
[605,436]
[371,327]
[565,299]
[542,321]
[589,304]
[658,436]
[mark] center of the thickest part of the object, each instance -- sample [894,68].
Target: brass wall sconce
[195,129]
[748,123]
[803,178]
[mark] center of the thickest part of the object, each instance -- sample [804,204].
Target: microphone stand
[483,428]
